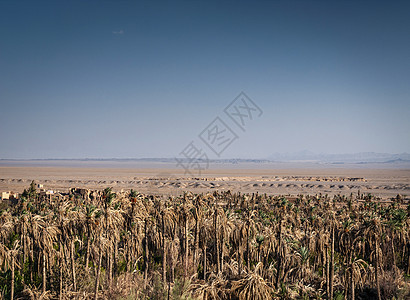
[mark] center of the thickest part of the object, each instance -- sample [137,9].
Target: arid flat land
[167,179]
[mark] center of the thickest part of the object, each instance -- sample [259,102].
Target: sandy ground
[166,179]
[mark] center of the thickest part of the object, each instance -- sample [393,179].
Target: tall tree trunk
[31,261]
[97,278]
[146,254]
[408,258]
[217,242]
[115,265]
[44,273]
[12,277]
[130,245]
[173,263]
[73,265]
[352,284]
[110,264]
[87,253]
[327,274]
[222,252]
[279,255]
[164,254]
[377,267]
[186,247]
[323,265]
[240,259]
[24,245]
[60,294]
[50,268]
[393,251]
[196,242]
[332,258]
[248,248]
[204,262]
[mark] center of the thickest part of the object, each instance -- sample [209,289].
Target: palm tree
[302,254]
[396,228]
[146,248]
[8,257]
[48,235]
[238,235]
[356,269]
[184,218]
[167,227]
[101,244]
[332,258]
[91,213]
[376,235]
[216,235]
[203,238]
[196,212]
[22,229]
[113,218]
[280,254]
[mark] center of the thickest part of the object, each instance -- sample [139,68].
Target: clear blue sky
[102,79]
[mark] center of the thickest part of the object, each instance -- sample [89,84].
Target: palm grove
[219,245]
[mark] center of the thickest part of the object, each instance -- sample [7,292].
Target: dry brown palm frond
[135,266]
[308,291]
[213,288]
[5,229]
[253,286]
[358,269]
[231,269]
[33,293]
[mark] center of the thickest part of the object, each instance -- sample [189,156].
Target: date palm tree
[8,257]
[372,230]
[100,247]
[47,238]
[90,214]
[168,223]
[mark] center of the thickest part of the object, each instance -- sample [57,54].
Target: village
[44,193]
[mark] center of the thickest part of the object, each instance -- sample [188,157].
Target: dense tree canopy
[219,245]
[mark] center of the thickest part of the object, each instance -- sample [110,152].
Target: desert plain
[159,178]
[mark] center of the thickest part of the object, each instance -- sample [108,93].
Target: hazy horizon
[299,155]
[102,79]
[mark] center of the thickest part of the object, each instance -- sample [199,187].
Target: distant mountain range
[301,156]
[362,157]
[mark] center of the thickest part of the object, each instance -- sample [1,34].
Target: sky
[128,79]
